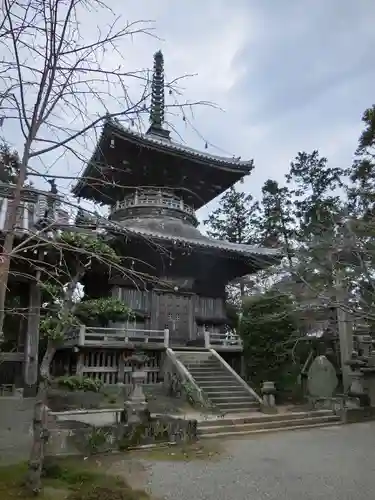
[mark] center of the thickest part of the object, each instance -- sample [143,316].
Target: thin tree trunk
[40,423]
[11,220]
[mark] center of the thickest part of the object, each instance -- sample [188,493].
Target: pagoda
[153,186]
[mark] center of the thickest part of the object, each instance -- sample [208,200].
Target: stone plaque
[322,380]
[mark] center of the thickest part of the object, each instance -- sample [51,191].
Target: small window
[169,316]
[177,317]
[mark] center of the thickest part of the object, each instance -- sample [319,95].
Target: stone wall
[79,438]
[16,416]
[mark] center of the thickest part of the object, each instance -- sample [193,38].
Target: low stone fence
[72,437]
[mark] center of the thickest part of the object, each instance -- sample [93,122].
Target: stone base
[136,412]
[354,415]
[269,410]
[78,438]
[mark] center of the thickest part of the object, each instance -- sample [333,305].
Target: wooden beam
[11,356]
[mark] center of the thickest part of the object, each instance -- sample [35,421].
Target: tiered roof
[125,157]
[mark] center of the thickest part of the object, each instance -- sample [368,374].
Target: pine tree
[234,218]
[361,193]
[9,164]
[315,187]
[276,225]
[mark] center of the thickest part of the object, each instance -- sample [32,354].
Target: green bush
[79,383]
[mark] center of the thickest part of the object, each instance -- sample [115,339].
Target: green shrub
[79,383]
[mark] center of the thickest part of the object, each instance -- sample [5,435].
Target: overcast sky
[290,75]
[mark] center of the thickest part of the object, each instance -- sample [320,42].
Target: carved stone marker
[321,378]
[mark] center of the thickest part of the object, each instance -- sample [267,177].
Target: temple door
[174,312]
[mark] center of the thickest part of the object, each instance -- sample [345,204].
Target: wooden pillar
[121,369]
[345,331]
[243,367]
[32,339]
[192,326]
[80,362]
[154,322]
[21,338]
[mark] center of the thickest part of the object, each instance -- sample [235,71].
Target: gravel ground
[329,463]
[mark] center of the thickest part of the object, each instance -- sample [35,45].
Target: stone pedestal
[135,408]
[357,387]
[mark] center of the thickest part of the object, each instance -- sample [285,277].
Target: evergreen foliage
[233,219]
[322,216]
[267,328]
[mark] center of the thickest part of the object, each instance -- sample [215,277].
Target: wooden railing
[160,199]
[215,339]
[114,337]
[110,367]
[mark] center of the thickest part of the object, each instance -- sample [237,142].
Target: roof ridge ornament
[157,110]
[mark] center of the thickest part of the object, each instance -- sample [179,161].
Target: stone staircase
[217,382]
[260,424]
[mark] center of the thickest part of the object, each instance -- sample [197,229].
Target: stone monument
[321,379]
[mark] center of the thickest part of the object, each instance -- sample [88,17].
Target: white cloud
[290,76]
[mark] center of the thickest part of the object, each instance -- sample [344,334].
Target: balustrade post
[81,337]
[166,337]
[206,334]
[121,369]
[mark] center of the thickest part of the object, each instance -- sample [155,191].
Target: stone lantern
[135,408]
[268,391]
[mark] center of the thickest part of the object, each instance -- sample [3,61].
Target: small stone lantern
[268,391]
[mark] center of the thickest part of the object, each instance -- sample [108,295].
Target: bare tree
[57,87]
[77,254]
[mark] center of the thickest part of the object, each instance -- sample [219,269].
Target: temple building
[153,186]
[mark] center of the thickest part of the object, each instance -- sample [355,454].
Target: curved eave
[260,257]
[166,146]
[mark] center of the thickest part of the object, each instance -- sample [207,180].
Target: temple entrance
[174,313]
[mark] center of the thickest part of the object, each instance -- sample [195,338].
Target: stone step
[264,418]
[216,381]
[229,388]
[213,372]
[222,385]
[269,424]
[292,427]
[222,398]
[204,366]
[234,406]
[194,358]
[227,393]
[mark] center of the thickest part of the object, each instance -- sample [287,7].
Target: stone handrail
[184,374]
[235,374]
[222,339]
